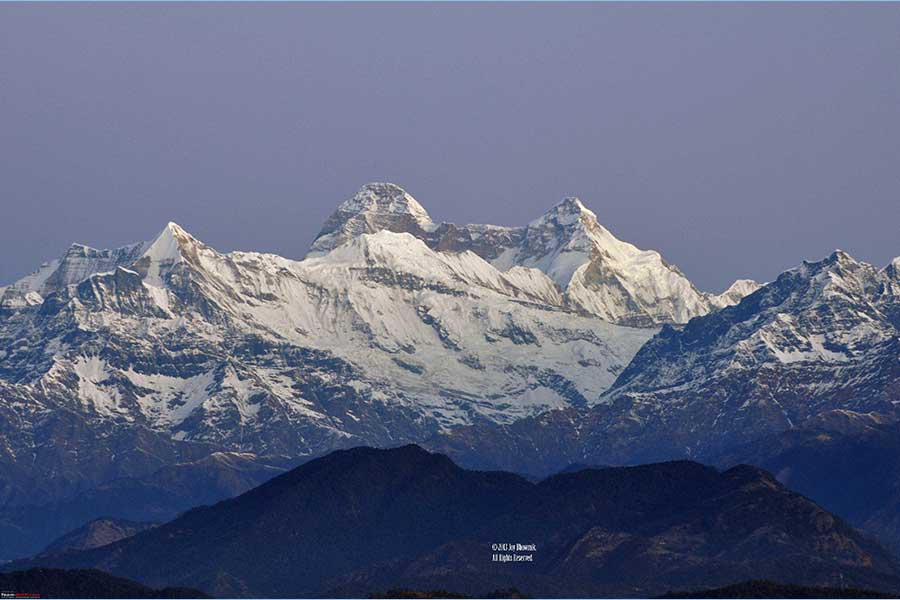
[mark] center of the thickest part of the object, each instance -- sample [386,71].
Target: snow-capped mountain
[375,207]
[820,342]
[78,263]
[833,314]
[522,347]
[594,272]
[735,293]
[822,338]
[393,329]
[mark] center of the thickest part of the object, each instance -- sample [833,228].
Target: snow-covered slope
[822,337]
[377,341]
[78,263]
[820,344]
[507,346]
[594,272]
[734,294]
[393,329]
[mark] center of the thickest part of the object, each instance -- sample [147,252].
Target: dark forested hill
[84,583]
[363,520]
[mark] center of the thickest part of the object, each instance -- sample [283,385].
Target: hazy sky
[736,139]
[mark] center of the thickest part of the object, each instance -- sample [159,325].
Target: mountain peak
[174,228]
[837,260]
[168,244]
[839,257]
[736,292]
[78,263]
[893,268]
[839,254]
[377,206]
[384,198]
[572,203]
[569,211]
[164,252]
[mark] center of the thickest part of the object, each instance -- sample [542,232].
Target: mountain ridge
[527,348]
[167,350]
[177,283]
[596,272]
[363,519]
[820,340]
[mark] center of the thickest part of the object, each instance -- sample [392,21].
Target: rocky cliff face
[78,263]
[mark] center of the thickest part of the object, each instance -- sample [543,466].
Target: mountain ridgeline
[818,343]
[129,375]
[362,520]
[394,329]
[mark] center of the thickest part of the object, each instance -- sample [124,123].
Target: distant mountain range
[520,348]
[26,529]
[851,466]
[820,340]
[362,520]
[95,534]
